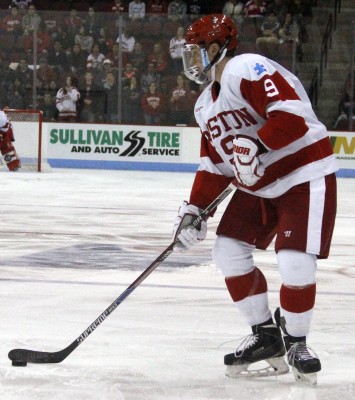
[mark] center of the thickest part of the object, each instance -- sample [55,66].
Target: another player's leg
[248,289]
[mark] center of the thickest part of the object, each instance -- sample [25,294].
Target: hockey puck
[19,363]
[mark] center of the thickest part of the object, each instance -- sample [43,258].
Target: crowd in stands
[79,44]
[346,107]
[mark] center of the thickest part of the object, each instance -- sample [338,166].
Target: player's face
[193,57]
[195,60]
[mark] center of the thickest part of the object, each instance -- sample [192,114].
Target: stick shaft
[56,357]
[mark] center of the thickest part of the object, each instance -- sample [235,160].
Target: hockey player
[6,147]
[258,127]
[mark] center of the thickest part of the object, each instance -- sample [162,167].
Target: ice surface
[73,240]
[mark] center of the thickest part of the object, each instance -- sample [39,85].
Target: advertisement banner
[344,149]
[153,148]
[116,146]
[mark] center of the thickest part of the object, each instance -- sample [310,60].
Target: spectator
[234,9]
[16,95]
[346,105]
[255,9]
[90,99]
[177,11]
[127,41]
[128,73]
[152,104]
[301,9]
[92,23]
[286,31]
[114,54]
[48,108]
[51,24]
[180,102]
[44,41]
[136,10]
[131,102]
[22,5]
[195,9]
[301,12]
[23,73]
[156,9]
[57,58]
[159,57]
[66,101]
[111,98]
[267,44]
[11,24]
[84,39]
[73,22]
[104,41]
[279,8]
[52,89]
[45,74]
[107,66]
[64,38]
[77,60]
[95,58]
[165,93]
[31,20]
[4,71]
[138,58]
[118,7]
[176,47]
[150,75]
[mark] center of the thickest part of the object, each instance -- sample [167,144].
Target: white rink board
[26,139]
[97,146]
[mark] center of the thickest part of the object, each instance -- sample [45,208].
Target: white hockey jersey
[260,99]
[66,102]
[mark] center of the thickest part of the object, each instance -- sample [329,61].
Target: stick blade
[37,357]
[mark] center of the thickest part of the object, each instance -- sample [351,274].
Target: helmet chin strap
[216,60]
[213,68]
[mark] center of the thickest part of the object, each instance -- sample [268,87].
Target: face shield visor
[195,60]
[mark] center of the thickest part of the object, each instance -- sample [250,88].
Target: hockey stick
[20,357]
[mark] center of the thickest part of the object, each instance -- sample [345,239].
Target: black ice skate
[263,345]
[304,362]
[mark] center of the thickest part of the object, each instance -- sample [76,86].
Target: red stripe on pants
[243,286]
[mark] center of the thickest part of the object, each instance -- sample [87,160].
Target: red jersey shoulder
[260,82]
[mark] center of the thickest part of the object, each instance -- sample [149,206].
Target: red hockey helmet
[214,28]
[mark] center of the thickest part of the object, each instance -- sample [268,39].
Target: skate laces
[300,351]
[246,343]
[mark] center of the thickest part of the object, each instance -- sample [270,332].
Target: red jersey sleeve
[273,98]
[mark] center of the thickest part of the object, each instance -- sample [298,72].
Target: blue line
[146,166]
[122,165]
[346,173]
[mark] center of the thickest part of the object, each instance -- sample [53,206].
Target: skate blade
[274,367]
[305,379]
